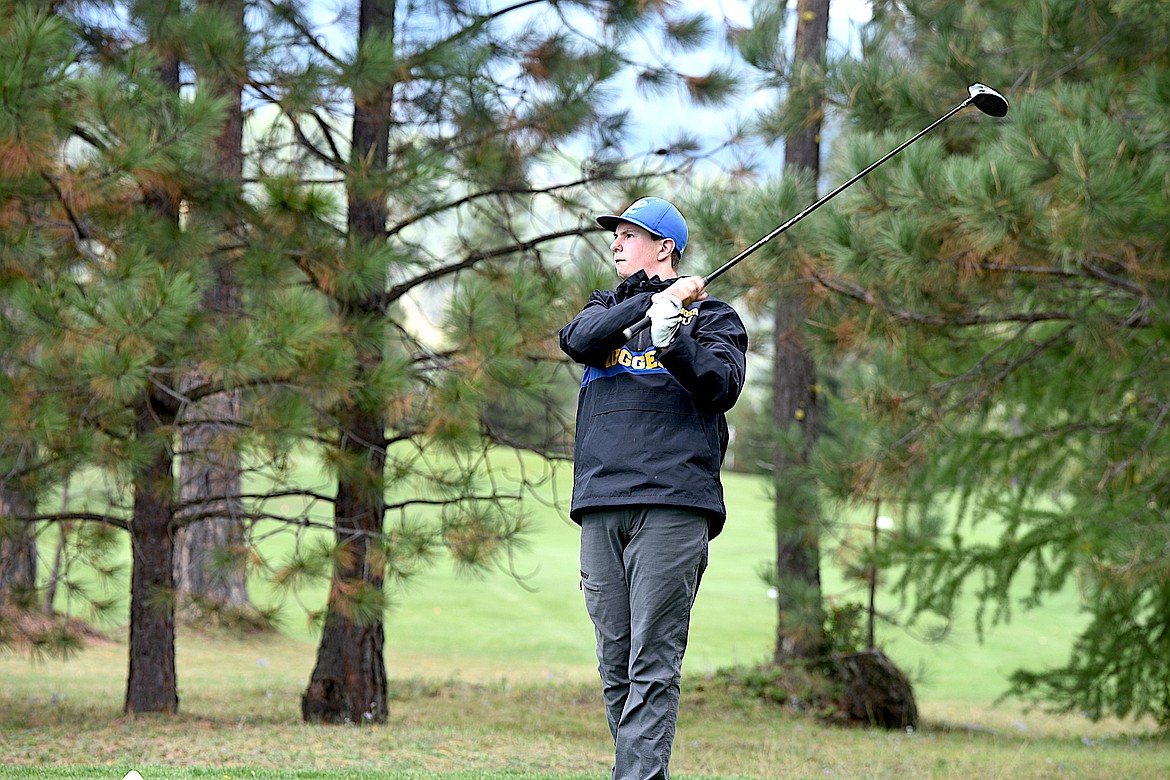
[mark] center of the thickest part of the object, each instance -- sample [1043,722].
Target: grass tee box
[495,677]
[241,719]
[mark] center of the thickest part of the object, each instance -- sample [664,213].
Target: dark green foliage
[761,45]
[395,246]
[1006,280]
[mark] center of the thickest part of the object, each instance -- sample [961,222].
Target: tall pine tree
[211,557]
[475,135]
[1007,283]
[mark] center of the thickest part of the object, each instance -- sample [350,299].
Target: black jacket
[650,422]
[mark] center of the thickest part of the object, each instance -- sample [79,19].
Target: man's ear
[666,249]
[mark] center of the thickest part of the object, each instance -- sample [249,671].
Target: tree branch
[379,303]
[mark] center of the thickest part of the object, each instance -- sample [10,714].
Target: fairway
[533,626]
[525,621]
[240,719]
[494,677]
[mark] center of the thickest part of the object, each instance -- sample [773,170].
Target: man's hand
[665,314]
[687,289]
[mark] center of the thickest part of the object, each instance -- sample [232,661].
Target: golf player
[650,440]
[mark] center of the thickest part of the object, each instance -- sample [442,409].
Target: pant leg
[663,553]
[604,537]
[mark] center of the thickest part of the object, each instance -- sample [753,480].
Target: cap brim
[608,221]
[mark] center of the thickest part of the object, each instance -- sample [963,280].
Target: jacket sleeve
[597,331]
[711,362]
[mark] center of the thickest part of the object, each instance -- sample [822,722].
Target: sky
[655,123]
[846,18]
[841,12]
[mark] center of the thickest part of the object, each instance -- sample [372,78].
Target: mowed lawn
[526,620]
[494,676]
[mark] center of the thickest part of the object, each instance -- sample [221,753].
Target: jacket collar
[639,282]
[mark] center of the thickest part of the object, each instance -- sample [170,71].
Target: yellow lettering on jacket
[624,357]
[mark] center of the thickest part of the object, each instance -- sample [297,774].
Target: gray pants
[640,572]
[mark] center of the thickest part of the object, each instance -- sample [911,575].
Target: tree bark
[210,481]
[18,546]
[875,692]
[800,618]
[348,683]
[800,623]
[152,685]
[18,551]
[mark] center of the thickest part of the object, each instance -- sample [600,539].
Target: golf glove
[665,314]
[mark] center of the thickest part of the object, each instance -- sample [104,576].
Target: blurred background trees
[1005,286]
[272,267]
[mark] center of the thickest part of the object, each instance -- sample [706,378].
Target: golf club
[981,96]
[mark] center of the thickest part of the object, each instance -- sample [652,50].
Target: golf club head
[988,100]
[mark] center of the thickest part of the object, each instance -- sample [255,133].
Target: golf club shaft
[644,323]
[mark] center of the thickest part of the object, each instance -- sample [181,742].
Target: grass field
[494,678]
[240,719]
[537,629]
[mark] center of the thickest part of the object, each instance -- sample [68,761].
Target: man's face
[635,249]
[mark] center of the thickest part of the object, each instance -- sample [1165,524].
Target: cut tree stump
[875,691]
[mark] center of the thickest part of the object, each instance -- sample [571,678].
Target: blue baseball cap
[654,214]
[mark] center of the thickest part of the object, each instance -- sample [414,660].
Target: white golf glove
[665,315]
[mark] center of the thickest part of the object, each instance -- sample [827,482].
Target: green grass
[534,627]
[240,719]
[497,627]
[495,678]
[173,773]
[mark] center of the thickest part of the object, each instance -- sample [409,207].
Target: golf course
[494,677]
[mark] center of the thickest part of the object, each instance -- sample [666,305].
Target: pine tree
[773,284]
[102,290]
[795,408]
[1006,281]
[211,571]
[438,148]
[18,561]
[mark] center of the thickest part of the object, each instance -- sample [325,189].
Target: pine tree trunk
[18,548]
[348,683]
[800,618]
[209,475]
[800,623]
[18,551]
[209,481]
[152,685]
